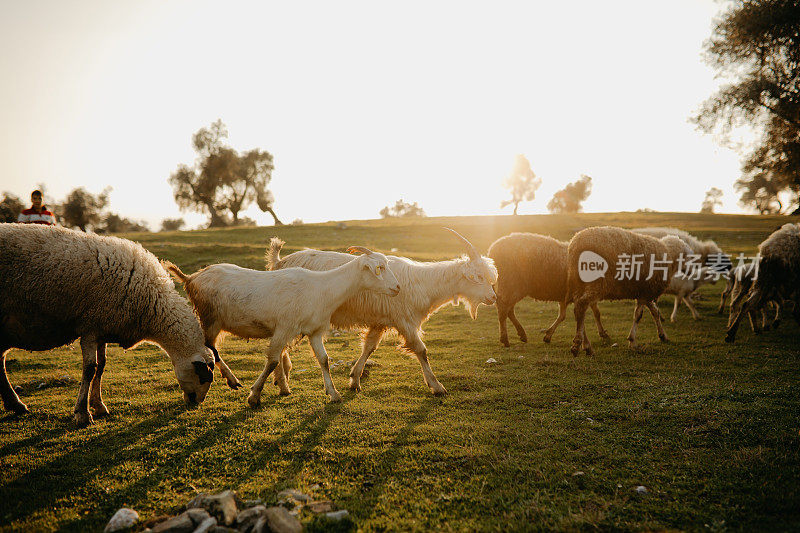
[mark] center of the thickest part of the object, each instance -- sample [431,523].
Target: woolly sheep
[658,257]
[737,286]
[710,254]
[778,272]
[58,285]
[683,285]
[531,265]
[282,305]
[426,287]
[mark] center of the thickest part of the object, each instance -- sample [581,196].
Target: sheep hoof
[336,399]
[285,392]
[663,338]
[547,339]
[83,419]
[523,338]
[101,411]
[729,338]
[18,409]
[604,335]
[590,352]
[355,386]
[575,350]
[253,401]
[504,342]
[235,385]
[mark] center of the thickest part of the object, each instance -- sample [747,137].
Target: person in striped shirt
[38,213]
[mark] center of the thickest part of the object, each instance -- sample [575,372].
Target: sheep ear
[359,250]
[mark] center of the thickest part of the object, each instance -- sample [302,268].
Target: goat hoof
[505,342]
[355,387]
[336,399]
[101,411]
[83,419]
[547,339]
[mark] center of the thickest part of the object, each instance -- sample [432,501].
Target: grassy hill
[539,441]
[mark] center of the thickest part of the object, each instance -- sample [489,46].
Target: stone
[491,361]
[222,529]
[337,515]
[641,489]
[197,514]
[180,524]
[222,506]
[206,525]
[320,507]
[122,519]
[247,519]
[280,520]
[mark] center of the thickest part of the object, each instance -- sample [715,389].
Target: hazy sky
[362,103]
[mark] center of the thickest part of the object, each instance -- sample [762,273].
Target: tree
[756,45]
[402,209]
[10,207]
[172,224]
[712,200]
[570,198]
[82,209]
[113,223]
[222,182]
[522,182]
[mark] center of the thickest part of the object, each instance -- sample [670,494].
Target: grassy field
[540,441]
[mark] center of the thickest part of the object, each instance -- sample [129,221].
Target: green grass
[541,441]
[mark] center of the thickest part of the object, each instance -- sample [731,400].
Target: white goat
[282,305]
[426,288]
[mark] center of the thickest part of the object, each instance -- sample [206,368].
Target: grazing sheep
[531,265]
[426,288]
[778,273]
[658,261]
[58,285]
[738,285]
[282,305]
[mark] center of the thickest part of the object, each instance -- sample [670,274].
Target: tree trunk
[271,212]
[516,205]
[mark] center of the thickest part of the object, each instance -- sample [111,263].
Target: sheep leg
[777,302]
[662,335]
[753,302]
[318,348]
[638,311]
[89,347]
[282,374]
[600,329]
[415,345]
[580,332]
[502,316]
[11,401]
[96,399]
[690,304]
[517,325]
[211,335]
[725,293]
[562,315]
[674,314]
[274,353]
[369,344]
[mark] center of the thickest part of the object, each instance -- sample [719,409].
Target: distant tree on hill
[113,223]
[10,207]
[756,46]
[403,210]
[82,209]
[570,198]
[522,183]
[712,200]
[172,224]
[223,182]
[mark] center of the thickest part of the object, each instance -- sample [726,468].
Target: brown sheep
[531,265]
[659,262]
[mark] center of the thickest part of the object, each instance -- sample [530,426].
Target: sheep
[58,285]
[591,254]
[778,273]
[282,305]
[683,285]
[738,285]
[426,288]
[710,254]
[531,265]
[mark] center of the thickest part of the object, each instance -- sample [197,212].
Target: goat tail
[273,253]
[176,272]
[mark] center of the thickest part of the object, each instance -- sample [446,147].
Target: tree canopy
[10,207]
[522,183]
[223,182]
[402,209]
[756,45]
[712,200]
[82,209]
[570,198]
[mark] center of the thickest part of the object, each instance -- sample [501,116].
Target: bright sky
[362,103]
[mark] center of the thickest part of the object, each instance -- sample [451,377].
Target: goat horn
[359,249]
[471,251]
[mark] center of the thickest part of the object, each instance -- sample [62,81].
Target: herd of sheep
[59,285]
